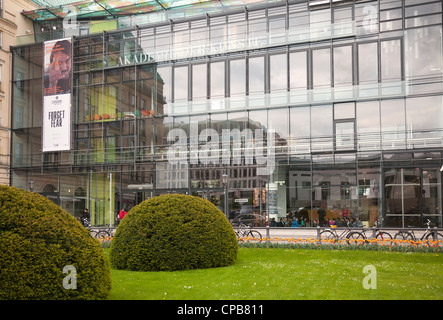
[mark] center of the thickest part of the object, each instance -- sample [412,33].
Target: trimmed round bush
[45,253]
[173,232]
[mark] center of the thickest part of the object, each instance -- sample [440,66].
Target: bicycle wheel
[382,235]
[253,236]
[354,238]
[430,237]
[328,235]
[102,234]
[403,235]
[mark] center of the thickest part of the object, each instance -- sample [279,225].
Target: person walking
[321,216]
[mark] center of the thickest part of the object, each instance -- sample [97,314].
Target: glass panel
[258,120]
[320,23]
[237,30]
[335,188]
[257,27]
[181,35]
[344,135]
[321,128]
[366,17]
[393,197]
[300,130]
[431,196]
[163,90]
[343,66]
[423,55]
[199,82]
[198,32]
[393,124]
[423,21]
[237,77]
[277,28]
[342,20]
[368,125]
[278,72]
[367,63]
[321,70]
[391,14]
[238,120]
[411,195]
[218,29]
[344,111]
[298,70]
[368,190]
[181,83]
[423,9]
[278,120]
[424,128]
[217,79]
[391,60]
[256,75]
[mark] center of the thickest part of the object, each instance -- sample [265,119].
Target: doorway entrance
[412,195]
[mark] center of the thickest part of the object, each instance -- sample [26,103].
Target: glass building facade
[341,102]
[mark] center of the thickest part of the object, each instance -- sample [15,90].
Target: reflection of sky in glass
[321,71]
[256,75]
[278,76]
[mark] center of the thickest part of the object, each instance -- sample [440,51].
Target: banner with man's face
[57,78]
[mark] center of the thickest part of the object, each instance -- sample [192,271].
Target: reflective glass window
[368,125]
[344,111]
[278,119]
[367,63]
[181,83]
[391,61]
[343,65]
[423,51]
[320,23]
[298,70]
[393,124]
[277,28]
[237,77]
[258,119]
[321,128]
[300,120]
[321,67]
[217,79]
[431,119]
[423,9]
[278,72]
[256,75]
[199,81]
[342,20]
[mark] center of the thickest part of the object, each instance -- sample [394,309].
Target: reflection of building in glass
[352,92]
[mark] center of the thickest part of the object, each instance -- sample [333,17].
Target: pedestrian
[85,218]
[345,213]
[321,216]
[122,213]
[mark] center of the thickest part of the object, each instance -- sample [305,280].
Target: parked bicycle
[348,234]
[102,233]
[381,235]
[245,233]
[410,235]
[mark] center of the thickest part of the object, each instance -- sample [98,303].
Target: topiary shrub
[41,246]
[173,232]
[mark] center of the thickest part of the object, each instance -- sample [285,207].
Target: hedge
[173,232]
[38,240]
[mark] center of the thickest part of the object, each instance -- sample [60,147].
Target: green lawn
[263,273]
